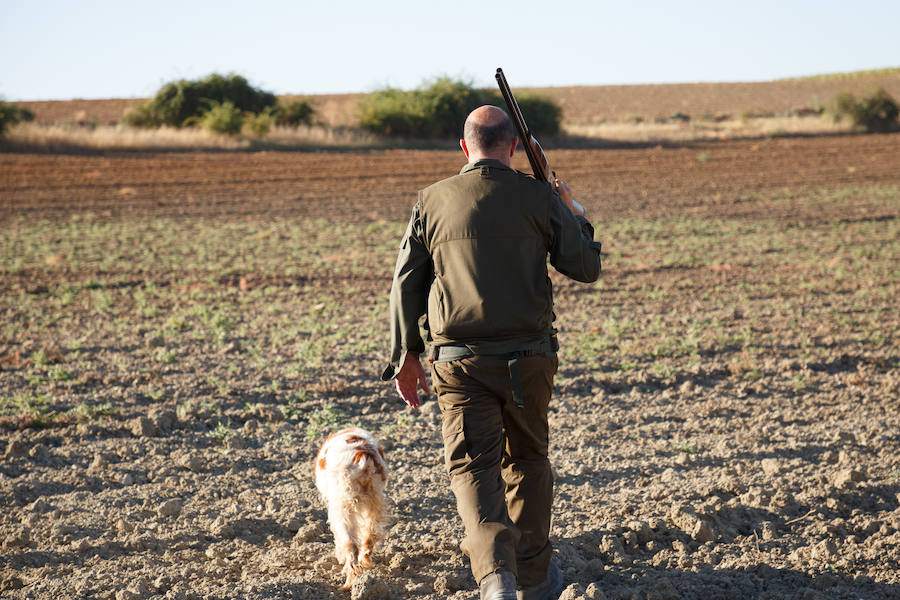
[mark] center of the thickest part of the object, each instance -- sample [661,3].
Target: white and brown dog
[351,474]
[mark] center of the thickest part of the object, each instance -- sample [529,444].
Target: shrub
[260,124]
[176,103]
[295,113]
[221,117]
[11,114]
[439,109]
[542,114]
[391,112]
[445,104]
[876,112]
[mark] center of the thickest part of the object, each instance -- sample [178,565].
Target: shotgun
[540,166]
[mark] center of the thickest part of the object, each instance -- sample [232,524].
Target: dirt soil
[181,330]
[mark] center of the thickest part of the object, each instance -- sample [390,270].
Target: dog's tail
[369,457]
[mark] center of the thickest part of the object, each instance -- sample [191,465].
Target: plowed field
[734,178]
[178,332]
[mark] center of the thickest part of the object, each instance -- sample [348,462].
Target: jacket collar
[484,162]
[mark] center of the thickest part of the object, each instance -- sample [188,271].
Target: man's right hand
[566,194]
[410,377]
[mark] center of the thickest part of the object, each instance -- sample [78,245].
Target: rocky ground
[725,425]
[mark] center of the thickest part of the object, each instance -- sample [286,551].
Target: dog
[351,474]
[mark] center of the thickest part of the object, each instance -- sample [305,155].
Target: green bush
[180,103]
[392,112]
[260,124]
[294,113]
[221,117]
[439,109]
[542,115]
[876,112]
[11,114]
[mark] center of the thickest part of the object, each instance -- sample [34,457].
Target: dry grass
[706,130]
[68,137]
[63,137]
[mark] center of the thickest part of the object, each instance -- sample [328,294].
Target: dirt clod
[18,537]
[848,478]
[170,508]
[368,587]
[16,448]
[574,591]
[143,427]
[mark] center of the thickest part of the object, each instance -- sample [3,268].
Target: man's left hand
[410,377]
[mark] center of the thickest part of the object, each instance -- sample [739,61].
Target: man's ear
[465,149]
[512,149]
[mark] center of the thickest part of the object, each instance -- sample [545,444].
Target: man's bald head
[488,131]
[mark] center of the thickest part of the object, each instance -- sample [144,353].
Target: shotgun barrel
[540,166]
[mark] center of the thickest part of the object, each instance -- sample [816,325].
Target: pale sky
[56,49]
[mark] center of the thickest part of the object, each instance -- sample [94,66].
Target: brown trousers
[496,455]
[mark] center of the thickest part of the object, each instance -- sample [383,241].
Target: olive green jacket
[473,260]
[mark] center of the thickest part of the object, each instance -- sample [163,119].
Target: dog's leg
[345,546]
[371,530]
[351,566]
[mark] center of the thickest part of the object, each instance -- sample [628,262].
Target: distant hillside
[582,105]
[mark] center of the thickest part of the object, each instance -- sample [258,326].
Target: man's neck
[502,159]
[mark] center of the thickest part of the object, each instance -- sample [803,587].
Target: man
[474,261]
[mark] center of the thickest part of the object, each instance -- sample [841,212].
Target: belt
[448,353]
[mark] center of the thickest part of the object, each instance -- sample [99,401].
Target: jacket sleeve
[409,296]
[573,251]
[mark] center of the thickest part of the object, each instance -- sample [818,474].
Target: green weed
[165,357]
[32,405]
[323,420]
[221,432]
[686,447]
[89,412]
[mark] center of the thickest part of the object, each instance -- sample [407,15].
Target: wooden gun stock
[540,166]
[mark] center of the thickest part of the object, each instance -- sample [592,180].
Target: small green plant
[405,419]
[31,405]
[221,432]
[703,157]
[222,388]
[166,357]
[155,394]
[58,374]
[40,358]
[89,412]
[35,379]
[799,381]
[323,420]
[628,365]
[753,375]
[686,447]
[185,410]
[664,371]
[290,408]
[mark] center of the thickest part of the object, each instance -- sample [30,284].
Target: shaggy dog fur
[351,474]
